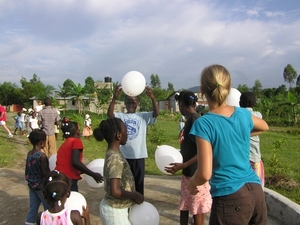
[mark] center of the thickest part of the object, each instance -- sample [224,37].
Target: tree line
[274,103]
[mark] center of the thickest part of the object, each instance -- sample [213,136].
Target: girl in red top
[70,154]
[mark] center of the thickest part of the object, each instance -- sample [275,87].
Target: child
[87,130]
[135,150]
[28,117]
[22,121]
[119,182]
[223,145]
[248,101]
[18,124]
[33,122]
[70,154]
[56,191]
[37,167]
[200,203]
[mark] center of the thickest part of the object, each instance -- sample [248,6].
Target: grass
[281,161]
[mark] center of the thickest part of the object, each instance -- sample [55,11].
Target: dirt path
[161,191]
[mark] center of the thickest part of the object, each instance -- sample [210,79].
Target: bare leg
[199,219]
[5,128]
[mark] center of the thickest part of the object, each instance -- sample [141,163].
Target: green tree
[11,94]
[155,81]
[170,87]
[298,81]
[257,88]
[243,88]
[89,86]
[68,84]
[281,90]
[292,102]
[78,94]
[35,88]
[289,74]
[104,96]
[64,92]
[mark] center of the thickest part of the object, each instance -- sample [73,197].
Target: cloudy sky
[175,39]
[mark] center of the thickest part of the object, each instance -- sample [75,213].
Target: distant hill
[194,89]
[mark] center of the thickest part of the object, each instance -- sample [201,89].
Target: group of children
[25,121]
[215,163]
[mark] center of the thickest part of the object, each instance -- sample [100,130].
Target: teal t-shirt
[230,140]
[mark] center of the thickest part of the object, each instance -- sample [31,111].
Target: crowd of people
[222,171]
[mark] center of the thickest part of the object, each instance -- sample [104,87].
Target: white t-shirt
[136,124]
[38,108]
[34,122]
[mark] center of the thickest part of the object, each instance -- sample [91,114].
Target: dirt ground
[160,191]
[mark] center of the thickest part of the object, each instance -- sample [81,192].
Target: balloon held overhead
[133,83]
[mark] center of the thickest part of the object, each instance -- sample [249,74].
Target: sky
[74,39]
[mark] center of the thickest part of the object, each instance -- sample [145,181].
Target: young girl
[248,101]
[18,125]
[70,154]
[36,169]
[87,130]
[119,182]
[200,203]
[56,191]
[223,145]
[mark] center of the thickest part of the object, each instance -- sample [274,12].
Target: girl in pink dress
[56,191]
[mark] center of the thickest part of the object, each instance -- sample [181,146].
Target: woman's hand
[192,187]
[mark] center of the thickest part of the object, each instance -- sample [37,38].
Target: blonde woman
[223,146]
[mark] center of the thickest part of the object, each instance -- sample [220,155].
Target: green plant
[156,135]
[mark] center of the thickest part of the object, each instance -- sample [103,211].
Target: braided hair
[69,128]
[56,186]
[107,129]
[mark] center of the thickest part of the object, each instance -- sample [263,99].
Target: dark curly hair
[36,136]
[107,129]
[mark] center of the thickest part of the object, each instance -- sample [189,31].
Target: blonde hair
[215,83]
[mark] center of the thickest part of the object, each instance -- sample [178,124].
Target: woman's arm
[204,170]
[260,126]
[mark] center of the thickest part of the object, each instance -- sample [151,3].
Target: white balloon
[133,83]
[233,99]
[95,166]
[145,214]
[75,202]
[52,162]
[164,155]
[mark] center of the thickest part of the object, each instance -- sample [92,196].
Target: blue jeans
[35,199]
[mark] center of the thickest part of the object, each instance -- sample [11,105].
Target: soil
[160,191]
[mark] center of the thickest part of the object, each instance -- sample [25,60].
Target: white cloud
[58,40]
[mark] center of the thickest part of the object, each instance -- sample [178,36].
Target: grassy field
[279,147]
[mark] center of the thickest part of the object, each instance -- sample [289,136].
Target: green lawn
[282,163]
